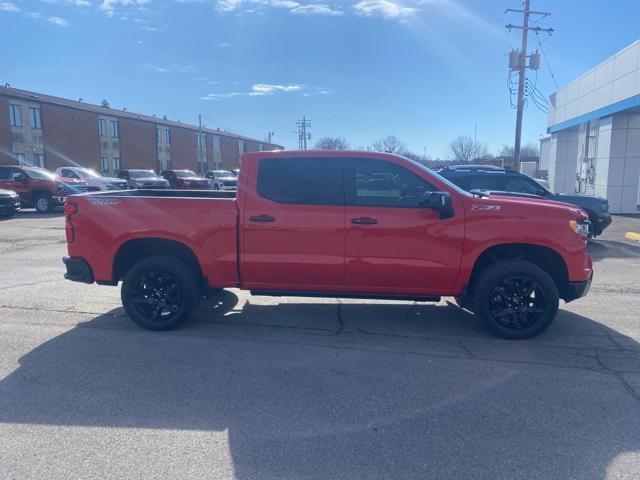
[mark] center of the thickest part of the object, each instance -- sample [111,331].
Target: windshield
[142,174]
[185,173]
[40,173]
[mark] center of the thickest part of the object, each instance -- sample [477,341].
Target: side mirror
[442,203]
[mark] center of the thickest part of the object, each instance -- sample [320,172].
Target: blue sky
[424,70]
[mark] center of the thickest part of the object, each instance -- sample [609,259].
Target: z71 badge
[495,208]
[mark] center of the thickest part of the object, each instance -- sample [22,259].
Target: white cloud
[57,21]
[9,7]
[74,3]
[109,6]
[383,8]
[294,6]
[258,90]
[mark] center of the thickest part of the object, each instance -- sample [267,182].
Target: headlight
[604,206]
[581,227]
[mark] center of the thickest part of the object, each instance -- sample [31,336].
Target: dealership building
[594,127]
[52,132]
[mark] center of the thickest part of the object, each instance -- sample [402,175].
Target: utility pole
[303,135]
[517,61]
[269,135]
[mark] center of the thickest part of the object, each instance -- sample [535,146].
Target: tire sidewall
[180,272]
[498,272]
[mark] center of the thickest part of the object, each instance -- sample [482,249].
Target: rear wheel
[516,299]
[160,292]
[43,203]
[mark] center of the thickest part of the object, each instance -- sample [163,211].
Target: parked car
[143,179]
[37,187]
[305,223]
[94,180]
[9,203]
[489,178]
[185,180]
[222,179]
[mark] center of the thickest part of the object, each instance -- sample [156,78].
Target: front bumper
[78,270]
[600,223]
[9,208]
[577,290]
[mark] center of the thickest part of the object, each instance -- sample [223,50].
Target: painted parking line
[633,236]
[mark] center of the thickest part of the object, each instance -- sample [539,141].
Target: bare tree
[332,143]
[528,150]
[390,144]
[465,149]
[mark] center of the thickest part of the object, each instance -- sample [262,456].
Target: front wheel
[516,299]
[43,203]
[160,292]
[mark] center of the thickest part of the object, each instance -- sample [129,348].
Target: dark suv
[495,179]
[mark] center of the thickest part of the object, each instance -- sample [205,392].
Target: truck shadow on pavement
[349,390]
[600,250]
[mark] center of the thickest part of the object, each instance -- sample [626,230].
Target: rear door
[292,226]
[394,244]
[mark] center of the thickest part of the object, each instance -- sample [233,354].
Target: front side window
[102,127]
[489,182]
[114,129]
[34,117]
[15,115]
[380,183]
[309,181]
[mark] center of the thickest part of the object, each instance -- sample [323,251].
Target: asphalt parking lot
[275,388]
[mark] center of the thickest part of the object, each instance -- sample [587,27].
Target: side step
[367,296]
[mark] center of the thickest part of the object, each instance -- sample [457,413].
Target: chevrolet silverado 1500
[332,224]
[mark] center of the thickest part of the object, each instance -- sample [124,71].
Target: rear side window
[488,182]
[309,181]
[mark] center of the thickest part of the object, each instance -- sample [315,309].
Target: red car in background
[39,188]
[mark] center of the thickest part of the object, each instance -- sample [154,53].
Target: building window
[240,146]
[34,117]
[102,127]
[202,141]
[114,129]
[164,135]
[116,164]
[17,136]
[104,165]
[216,143]
[20,158]
[15,115]
[38,138]
[38,160]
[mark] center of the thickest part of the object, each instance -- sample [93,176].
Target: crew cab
[185,180]
[95,181]
[332,224]
[490,178]
[38,188]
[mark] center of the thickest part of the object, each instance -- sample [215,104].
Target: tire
[160,292]
[43,203]
[501,299]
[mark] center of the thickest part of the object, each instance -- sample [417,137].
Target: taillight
[70,209]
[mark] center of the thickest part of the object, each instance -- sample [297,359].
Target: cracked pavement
[274,388]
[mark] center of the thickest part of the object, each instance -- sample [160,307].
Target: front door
[394,244]
[9,181]
[293,228]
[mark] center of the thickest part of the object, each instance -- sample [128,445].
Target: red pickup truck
[332,224]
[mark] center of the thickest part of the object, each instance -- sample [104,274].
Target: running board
[366,296]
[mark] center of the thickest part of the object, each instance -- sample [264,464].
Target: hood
[578,197]
[113,180]
[7,193]
[71,181]
[523,204]
[193,179]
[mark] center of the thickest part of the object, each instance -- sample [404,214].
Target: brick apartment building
[52,132]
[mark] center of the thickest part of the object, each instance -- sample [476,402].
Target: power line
[303,135]
[546,60]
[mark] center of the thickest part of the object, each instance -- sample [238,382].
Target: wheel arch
[137,249]
[544,257]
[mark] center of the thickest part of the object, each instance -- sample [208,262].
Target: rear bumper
[577,290]
[78,270]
